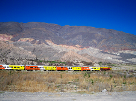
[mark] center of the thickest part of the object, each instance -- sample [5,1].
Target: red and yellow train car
[49,68]
[85,69]
[76,68]
[31,67]
[61,68]
[105,68]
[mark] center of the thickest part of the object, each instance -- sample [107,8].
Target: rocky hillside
[66,43]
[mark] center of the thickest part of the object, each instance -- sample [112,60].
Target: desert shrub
[63,81]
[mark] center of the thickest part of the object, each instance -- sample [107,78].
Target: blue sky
[110,14]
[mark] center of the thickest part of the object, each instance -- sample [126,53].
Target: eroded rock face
[73,56]
[4,37]
[66,43]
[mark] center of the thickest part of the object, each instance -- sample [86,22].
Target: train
[52,68]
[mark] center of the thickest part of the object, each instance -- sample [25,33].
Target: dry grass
[39,81]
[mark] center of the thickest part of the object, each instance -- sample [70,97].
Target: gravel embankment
[45,96]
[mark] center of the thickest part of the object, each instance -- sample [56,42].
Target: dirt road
[44,96]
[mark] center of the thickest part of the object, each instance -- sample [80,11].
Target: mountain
[66,43]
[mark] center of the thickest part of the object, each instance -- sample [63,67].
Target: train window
[31,67]
[61,67]
[17,67]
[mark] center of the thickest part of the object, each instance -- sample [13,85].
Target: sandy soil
[45,96]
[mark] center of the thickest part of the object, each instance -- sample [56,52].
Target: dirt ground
[63,96]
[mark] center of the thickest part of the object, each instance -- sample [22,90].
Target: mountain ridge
[71,35]
[97,43]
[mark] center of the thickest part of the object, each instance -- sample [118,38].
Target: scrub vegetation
[79,81]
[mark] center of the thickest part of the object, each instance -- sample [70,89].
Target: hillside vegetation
[39,81]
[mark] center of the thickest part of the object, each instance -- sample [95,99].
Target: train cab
[1,67]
